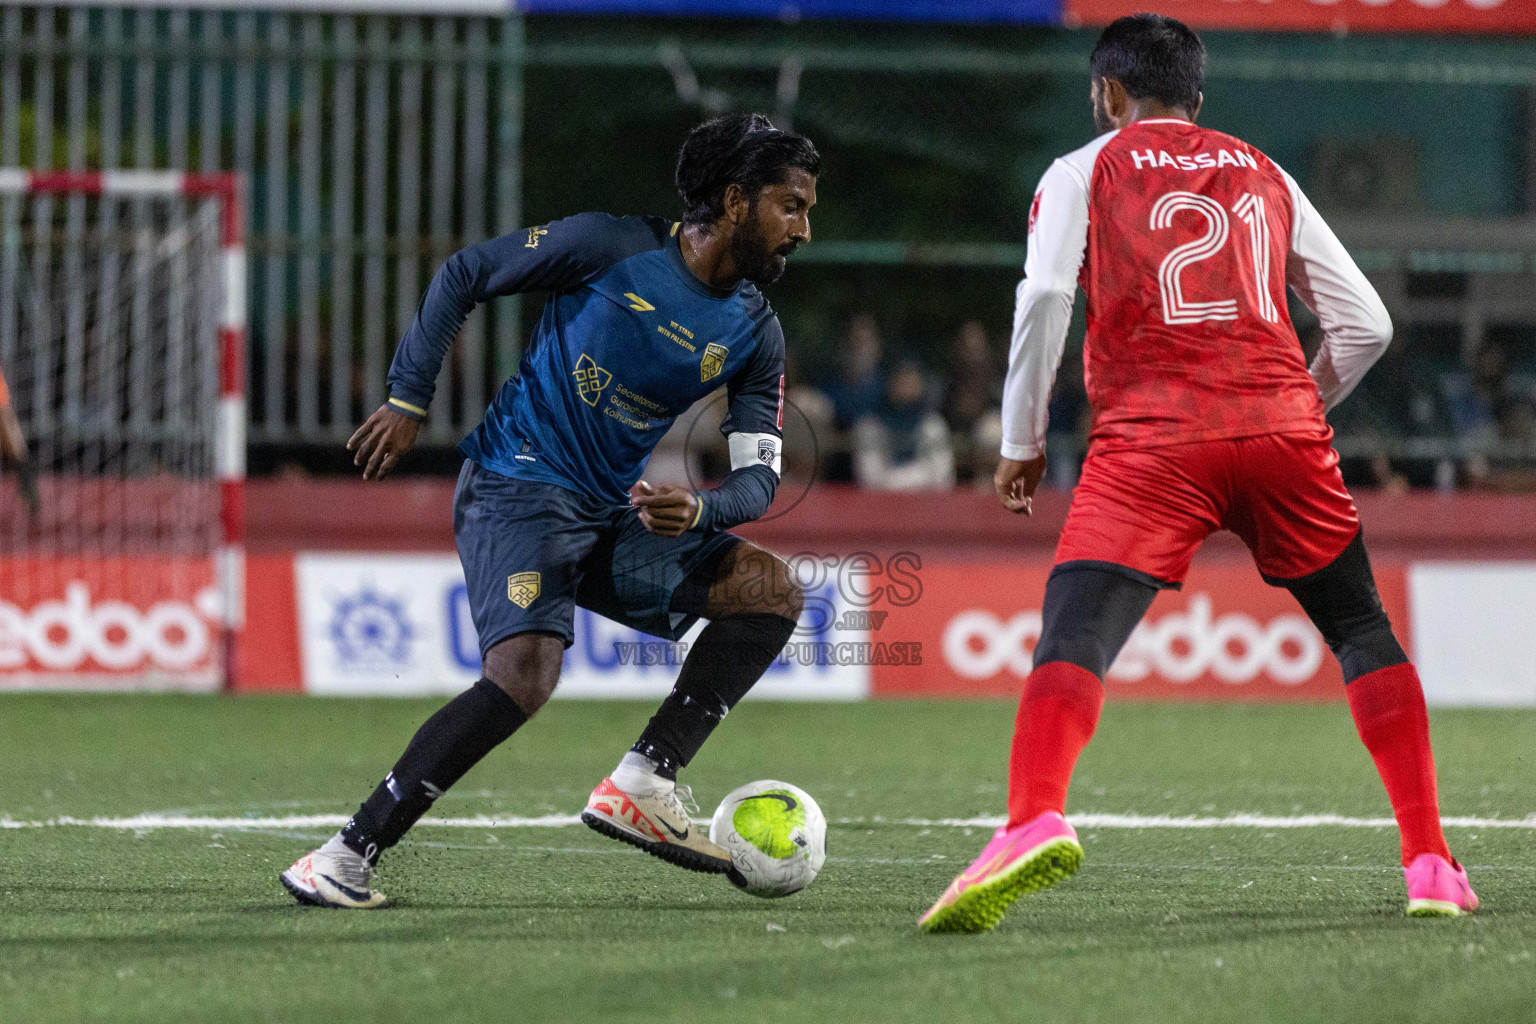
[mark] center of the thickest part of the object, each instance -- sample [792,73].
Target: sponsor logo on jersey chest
[590,379]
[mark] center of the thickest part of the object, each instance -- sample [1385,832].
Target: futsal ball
[776,835]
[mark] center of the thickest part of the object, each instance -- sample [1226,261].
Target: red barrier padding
[269,657]
[416,514]
[1225,636]
[94,621]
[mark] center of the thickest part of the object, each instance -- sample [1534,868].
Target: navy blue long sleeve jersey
[629,339]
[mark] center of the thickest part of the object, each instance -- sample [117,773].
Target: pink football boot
[1024,859]
[1438,888]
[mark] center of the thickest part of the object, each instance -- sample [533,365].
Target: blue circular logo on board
[371,629]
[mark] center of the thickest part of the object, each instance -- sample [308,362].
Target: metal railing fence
[373,146]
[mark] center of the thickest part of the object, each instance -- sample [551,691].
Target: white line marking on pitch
[149,822]
[1193,821]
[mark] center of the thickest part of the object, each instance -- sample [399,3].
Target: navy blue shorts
[533,551]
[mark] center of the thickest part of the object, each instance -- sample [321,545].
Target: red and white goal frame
[229,442]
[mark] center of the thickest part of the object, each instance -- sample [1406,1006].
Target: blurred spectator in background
[1474,399]
[809,432]
[973,396]
[1517,424]
[1066,439]
[904,445]
[1509,469]
[1399,400]
[1486,410]
[856,390]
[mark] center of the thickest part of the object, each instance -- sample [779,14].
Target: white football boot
[638,807]
[333,876]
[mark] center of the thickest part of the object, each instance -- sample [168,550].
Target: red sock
[1388,706]
[1057,716]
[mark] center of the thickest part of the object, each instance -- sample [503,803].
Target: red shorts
[1150,509]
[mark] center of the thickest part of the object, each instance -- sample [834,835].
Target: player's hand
[381,441]
[13,441]
[665,509]
[1016,482]
[13,450]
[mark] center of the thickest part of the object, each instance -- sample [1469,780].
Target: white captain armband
[755,450]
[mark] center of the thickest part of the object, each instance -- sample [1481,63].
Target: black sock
[446,746]
[728,658]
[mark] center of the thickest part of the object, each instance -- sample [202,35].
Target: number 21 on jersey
[1250,210]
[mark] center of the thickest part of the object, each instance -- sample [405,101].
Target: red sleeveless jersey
[1184,274]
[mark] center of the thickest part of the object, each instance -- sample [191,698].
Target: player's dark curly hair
[738,149]
[1154,57]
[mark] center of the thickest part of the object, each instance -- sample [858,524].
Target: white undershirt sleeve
[1356,327]
[1058,238]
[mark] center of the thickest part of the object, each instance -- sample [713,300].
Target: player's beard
[751,254]
[1101,121]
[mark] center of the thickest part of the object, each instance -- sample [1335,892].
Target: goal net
[122,342]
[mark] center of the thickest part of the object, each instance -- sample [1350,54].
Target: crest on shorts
[713,362]
[766,450]
[523,588]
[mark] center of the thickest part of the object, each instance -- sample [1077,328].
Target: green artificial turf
[553,924]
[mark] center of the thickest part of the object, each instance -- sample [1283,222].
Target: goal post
[122,336]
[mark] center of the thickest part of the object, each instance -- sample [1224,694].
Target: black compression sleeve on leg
[730,656]
[1342,602]
[447,745]
[1089,612]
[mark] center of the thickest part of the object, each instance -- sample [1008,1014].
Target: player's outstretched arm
[1356,327]
[13,443]
[382,440]
[561,255]
[13,451]
[1058,239]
